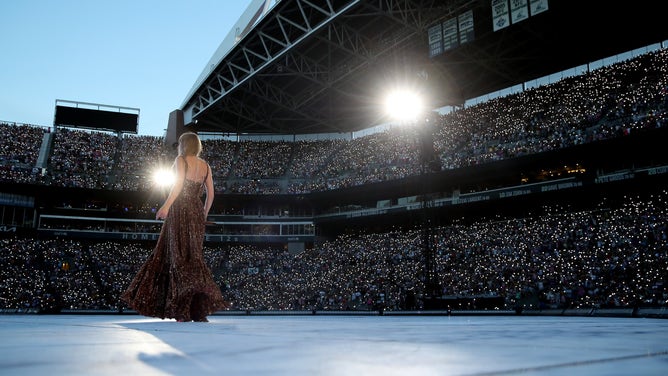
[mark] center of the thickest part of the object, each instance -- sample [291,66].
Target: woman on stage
[175,282]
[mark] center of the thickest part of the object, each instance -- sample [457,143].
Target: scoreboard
[459,30]
[96,116]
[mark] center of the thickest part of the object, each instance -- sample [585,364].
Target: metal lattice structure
[315,66]
[302,69]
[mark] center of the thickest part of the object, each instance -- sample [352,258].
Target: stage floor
[332,345]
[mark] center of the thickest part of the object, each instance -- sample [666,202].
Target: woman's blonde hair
[190,144]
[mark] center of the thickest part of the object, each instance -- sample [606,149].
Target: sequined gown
[175,282]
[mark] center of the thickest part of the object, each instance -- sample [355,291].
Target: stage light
[163,177]
[403,105]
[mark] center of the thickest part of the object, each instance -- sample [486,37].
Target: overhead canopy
[322,66]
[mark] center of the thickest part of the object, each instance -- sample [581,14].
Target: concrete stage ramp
[332,345]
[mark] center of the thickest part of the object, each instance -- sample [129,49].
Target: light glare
[163,177]
[403,105]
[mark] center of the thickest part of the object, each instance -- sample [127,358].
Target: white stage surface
[332,345]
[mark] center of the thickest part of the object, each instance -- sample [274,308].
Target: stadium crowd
[614,255]
[19,149]
[611,101]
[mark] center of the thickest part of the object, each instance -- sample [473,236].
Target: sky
[144,54]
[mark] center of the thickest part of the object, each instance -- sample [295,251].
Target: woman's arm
[209,192]
[176,188]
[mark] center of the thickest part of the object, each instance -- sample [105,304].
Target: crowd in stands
[19,149]
[612,101]
[608,102]
[138,158]
[613,255]
[82,159]
[220,156]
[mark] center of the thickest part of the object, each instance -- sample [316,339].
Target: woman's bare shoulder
[202,161]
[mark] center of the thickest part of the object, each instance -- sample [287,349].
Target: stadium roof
[321,66]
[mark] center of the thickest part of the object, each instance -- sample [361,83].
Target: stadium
[527,189]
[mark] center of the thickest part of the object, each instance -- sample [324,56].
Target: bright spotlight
[163,177]
[403,105]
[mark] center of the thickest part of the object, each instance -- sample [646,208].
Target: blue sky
[144,54]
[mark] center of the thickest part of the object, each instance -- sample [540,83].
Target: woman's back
[196,169]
